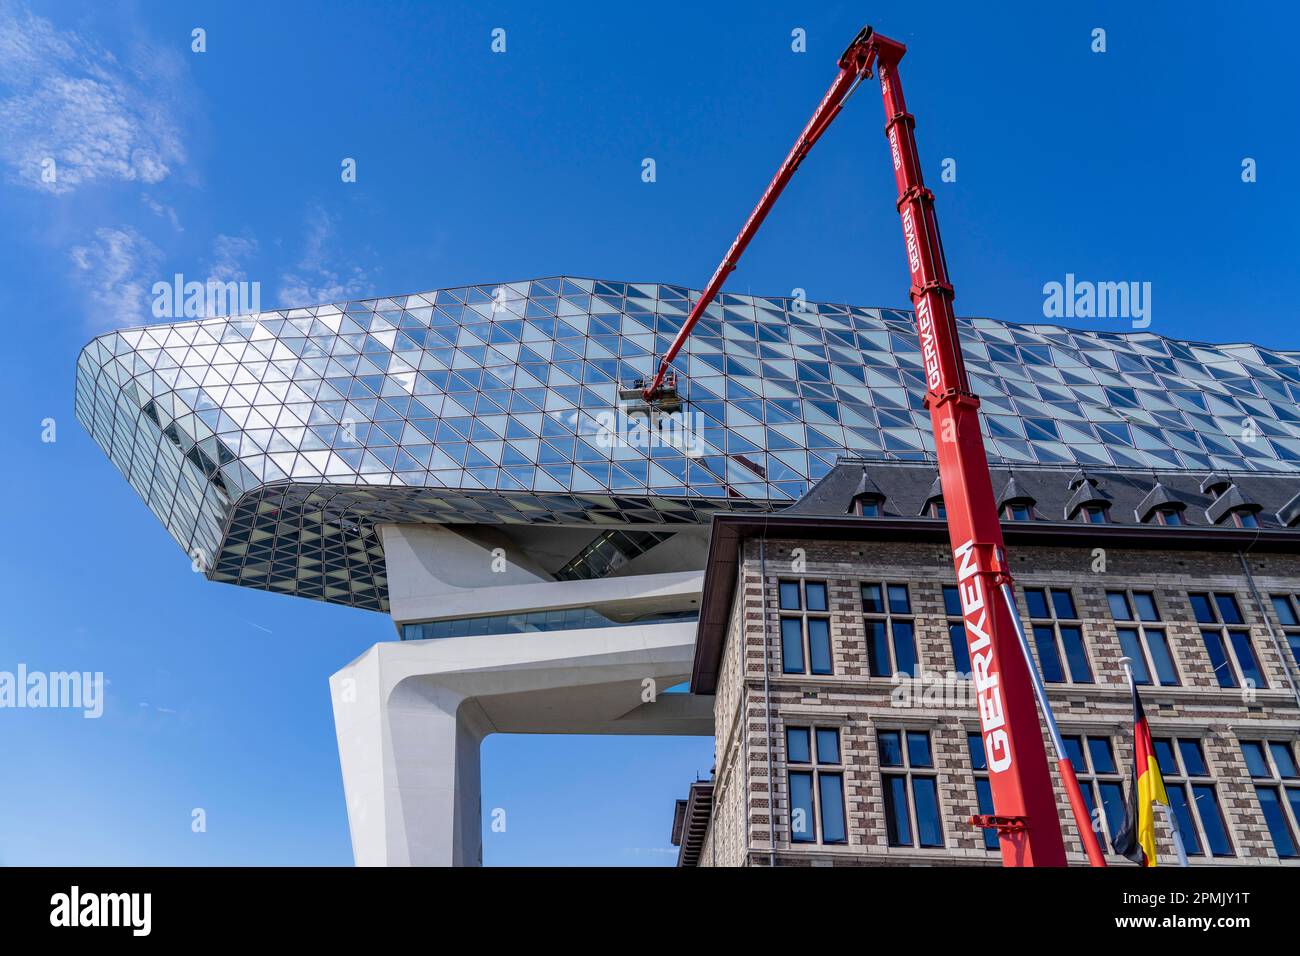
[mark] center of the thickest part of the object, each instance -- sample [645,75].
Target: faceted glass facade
[268,445]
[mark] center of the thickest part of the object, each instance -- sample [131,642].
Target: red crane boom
[1005,678]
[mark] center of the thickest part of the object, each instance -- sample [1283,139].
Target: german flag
[1137,837]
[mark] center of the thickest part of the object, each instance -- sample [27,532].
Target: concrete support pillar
[411,716]
[410,769]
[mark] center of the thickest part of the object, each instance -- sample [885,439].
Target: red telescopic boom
[855,65]
[1005,678]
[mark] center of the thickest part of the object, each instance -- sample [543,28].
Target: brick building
[846,734]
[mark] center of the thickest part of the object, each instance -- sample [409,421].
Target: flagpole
[1168,811]
[1178,834]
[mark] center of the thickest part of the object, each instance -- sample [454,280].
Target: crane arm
[855,65]
[1005,679]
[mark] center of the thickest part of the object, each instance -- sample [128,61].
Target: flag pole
[1168,811]
[1178,834]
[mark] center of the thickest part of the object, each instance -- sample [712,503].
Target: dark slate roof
[907,486]
[1082,477]
[1214,481]
[1088,493]
[935,493]
[1158,496]
[1013,493]
[867,487]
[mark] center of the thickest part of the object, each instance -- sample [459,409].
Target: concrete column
[410,760]
[411,717]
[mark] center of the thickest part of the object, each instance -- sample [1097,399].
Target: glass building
[269,445]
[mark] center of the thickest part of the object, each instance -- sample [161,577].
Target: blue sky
[482,167]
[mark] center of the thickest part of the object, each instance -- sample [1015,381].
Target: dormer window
[1018,511]
[933,506]
[1088,503]
[1093,514]
[868,499]
[1244,519]
[1161,506]
[1231,506]
[1014,504]
[1168,515]
[868,506]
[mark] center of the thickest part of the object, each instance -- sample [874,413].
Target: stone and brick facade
[757,701]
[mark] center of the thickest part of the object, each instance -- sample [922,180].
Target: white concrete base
[411,716]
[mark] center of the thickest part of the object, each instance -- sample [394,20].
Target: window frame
[1055,622]
[910,774]
[876,502]
[1087,511]
[1162,513]
[1091,781]
[888,616]
[1291,632]
[1137,623]
[1239,518]
[1187,782]
[803,614]
[956,619]
[1223,633]
[1286,788]
[815,768]
[1008,511]
[980,774]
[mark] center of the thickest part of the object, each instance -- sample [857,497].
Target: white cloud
[162,211]
[118,270]
[228,256]
[65,98]
[315,282]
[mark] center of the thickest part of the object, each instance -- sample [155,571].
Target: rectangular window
[817,786]
[798,745]
[1230,649]
[1142,637]
[1100,781]
[1193,796]
[1058,636]
[1018,512]
[912,814]
[805,627]
[792,645]
[956,630]
[890,628]
[983,789]
[1093,514]
[1166,514]
[803,809]
[1287,609]
[1272,766]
